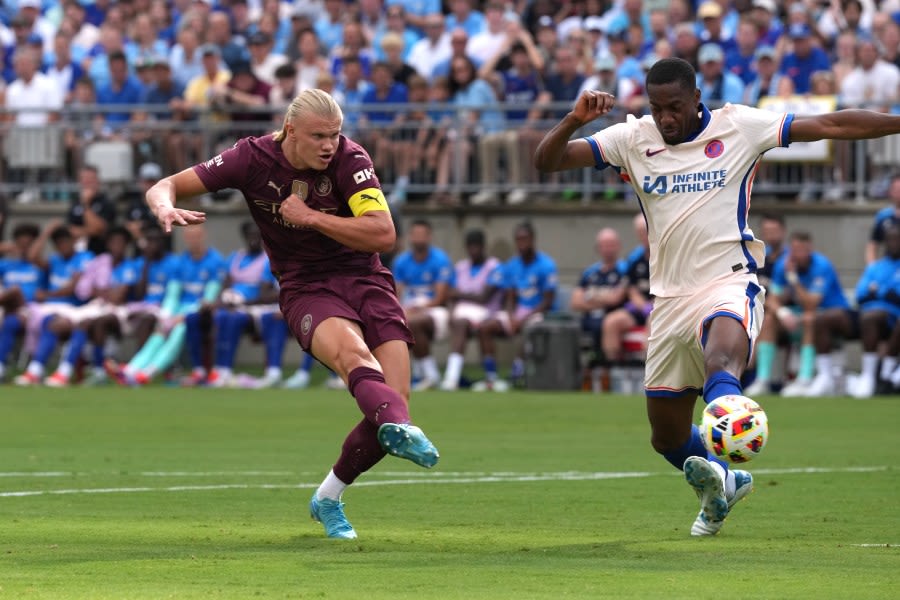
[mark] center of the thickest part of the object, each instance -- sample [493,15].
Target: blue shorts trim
[669,393]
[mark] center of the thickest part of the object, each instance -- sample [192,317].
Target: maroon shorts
[369,300]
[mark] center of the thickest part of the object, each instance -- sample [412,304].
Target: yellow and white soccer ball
[735,428]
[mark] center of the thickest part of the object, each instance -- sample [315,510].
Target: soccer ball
[734,428]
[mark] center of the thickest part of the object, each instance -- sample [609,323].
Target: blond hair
[312,102]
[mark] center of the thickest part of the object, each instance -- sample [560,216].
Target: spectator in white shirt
[431,50]
[873,83]
[34,98]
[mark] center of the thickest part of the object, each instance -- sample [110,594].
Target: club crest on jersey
[300,188]
[322,186]
[714,149]
[306,324]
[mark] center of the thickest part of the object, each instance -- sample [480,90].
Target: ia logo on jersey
[685,183]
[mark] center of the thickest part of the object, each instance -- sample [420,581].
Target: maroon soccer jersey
[257,167]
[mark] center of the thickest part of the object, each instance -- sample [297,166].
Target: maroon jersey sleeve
[229,169]
[356,180]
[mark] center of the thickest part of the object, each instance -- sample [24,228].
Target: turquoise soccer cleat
[330,513]
[409,442]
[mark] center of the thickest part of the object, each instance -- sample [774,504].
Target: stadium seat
[114,161]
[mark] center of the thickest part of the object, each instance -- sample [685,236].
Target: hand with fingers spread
[179,217]
[592,104]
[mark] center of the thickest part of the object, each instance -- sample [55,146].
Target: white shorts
[475,314]
[503,317]
[125,313]
[675,362]
[257,312]
[440,317]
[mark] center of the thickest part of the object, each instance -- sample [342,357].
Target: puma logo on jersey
[368,197]
[277,188]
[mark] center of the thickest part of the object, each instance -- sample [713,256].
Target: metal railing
[446,153]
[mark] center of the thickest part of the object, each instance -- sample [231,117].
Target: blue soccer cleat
[409,442]
[330,513]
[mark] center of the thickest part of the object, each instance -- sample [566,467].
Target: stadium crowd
[468,82]
[422,83]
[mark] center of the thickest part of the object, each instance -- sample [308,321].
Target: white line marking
[876,545]
[450,477]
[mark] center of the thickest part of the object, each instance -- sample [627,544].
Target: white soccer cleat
[796,389]
[424,384]
[757,388]
[335,383]
[268,381]
[298,381]
[822,385]
[861,387]
[449,386]
[743,485]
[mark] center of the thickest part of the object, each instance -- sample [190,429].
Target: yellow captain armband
[367,200]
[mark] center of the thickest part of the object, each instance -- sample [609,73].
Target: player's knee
[664,441]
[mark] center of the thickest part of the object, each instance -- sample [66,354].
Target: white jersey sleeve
[761,128]
[610,145]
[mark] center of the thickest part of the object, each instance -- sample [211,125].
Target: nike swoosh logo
[655,152]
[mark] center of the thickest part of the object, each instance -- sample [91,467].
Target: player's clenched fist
[295,211]
[592,104]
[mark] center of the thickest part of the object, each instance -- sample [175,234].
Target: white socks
[429,368]
[888,364]
[727,478]
[331,488]
[454,369]
[869,364]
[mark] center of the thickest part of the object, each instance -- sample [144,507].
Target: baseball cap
[768,5]
[150,171]
[207,49]
[710,53]
[709,10]
[30,4]
[765,52]
[605,62]
[259,38]
[799,30]
[546,21]
[593,23]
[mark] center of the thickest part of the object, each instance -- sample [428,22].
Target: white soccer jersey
[695,195]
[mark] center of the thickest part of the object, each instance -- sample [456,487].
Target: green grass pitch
[174,493]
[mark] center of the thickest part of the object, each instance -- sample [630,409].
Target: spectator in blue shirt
[349,92]
[806,298]
[464,16]
[740,59]
[417,11]
[878,298]
[884,218]
[330,26]
[805,59]
[385,127]
[424,276]
[717,86]
[530,281]
[123,88]
[563,82]
[766,80]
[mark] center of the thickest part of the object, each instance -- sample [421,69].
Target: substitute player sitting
[692,170]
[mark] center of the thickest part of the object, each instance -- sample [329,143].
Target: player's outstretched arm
[162,196]
[850,124]
[556,152]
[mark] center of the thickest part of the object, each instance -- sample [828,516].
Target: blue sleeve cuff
[599,163]
[786,130]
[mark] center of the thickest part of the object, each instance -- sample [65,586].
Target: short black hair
[120,231]
[801,236]
[525,226]
[60,233]
[286,71]
[27,229]
[773,217]
[475,236]
[672,70]
[421,222]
